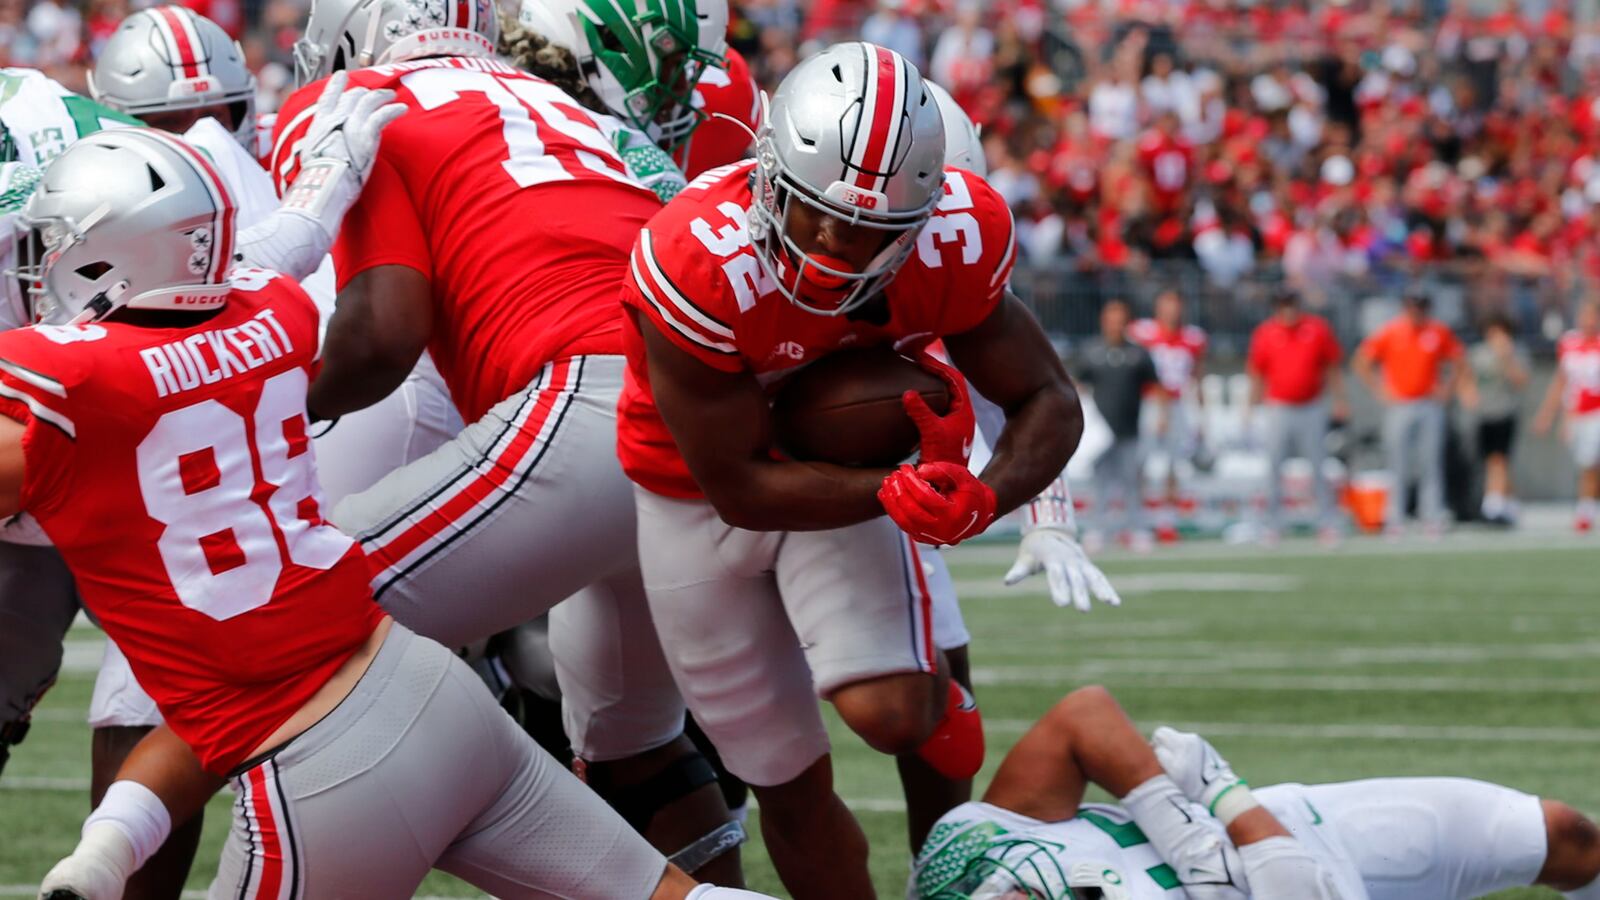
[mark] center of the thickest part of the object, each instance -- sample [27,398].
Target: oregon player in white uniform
[1381,839]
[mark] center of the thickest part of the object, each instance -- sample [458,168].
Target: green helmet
[982,861]
[642,57]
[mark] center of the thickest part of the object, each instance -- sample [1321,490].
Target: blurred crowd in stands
[1316,140]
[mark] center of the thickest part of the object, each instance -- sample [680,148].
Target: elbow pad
[285,241]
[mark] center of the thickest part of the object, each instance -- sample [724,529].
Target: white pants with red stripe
[524,508]
[418,769]
[757,625]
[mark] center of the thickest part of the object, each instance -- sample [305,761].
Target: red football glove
[946,438]
[937,503]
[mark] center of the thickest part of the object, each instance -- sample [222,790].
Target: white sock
[1586,508]
[138,813]
[1493,505]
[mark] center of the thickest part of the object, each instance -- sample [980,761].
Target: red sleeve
[293,120]
[1333,351]
[677,298]
[382,229]
[1449,345]
[974,289]
[35,394]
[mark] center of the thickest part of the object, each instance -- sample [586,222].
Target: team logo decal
[200,259]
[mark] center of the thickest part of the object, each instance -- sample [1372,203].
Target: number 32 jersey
[173,470]
[511,200]
[695,277]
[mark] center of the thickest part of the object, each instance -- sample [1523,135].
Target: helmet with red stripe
[852,133]
[131,217]
[963,148]
[355,34]
[167,59]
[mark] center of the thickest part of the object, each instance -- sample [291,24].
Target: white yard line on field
[1358,731]
[1149,583]
[1068,676]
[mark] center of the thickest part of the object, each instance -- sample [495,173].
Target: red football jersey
[172,469]
[696,278]
[1169,162]
[1177,354]
[1579,359]
[717,142]
[503,191]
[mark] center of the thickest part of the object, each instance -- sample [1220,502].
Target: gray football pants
[523,509]
[1297,428]
[418,768]
[38,600]
[1415,427]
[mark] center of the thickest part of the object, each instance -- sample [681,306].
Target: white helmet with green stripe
[983,861]
[642,57]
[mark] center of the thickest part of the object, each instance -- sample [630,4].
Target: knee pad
[639,803]
[955,749]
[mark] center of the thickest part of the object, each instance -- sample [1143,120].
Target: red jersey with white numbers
[695,279]
[501,190]
[1578,355]
[730,91]
[172,469]
[1176,353]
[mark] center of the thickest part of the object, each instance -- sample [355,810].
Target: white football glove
[1074,580]
[97,870]
[1280,868]
[336,156]
[1194,765]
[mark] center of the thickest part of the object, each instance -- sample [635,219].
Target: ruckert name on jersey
[194,441]
[695,276]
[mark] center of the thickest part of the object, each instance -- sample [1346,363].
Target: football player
[1576,390]
[1179,352]
[1187,824]
[771,581]
[155,426]
[494,231]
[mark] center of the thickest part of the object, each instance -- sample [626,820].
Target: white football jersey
[40,118]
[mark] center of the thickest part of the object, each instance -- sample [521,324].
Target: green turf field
[1473,657]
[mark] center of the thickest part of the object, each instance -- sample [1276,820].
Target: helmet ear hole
[156,181]
[94,270]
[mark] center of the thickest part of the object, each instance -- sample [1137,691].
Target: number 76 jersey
[173,469]
[694,275]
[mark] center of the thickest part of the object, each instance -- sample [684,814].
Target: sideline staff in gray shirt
[1118,372]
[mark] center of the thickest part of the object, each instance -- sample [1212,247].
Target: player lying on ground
[1188,826]
[155,427]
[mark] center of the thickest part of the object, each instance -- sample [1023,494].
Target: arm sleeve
[657,286]
[49,439]
[976,289]
[382,229]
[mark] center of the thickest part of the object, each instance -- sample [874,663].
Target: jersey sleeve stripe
[39,410]
[688,307]
[42,382]
[1002,272]
[666,316]
[286,148]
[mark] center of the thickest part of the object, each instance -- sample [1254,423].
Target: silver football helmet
[130,217]
[355,34]
[168,58]
[963,148]
[853,133]
[641,57]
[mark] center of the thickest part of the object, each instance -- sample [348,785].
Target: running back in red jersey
[504,193]
[726,91]
[173,469]
[696,278]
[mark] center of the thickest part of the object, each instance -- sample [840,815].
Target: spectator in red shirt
[1294,368]
[1414,352]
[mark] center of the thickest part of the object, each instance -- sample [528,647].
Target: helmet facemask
[1030,869]
[787,264]
[41,246]
[656,58]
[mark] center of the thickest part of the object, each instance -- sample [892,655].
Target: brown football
[846,409]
